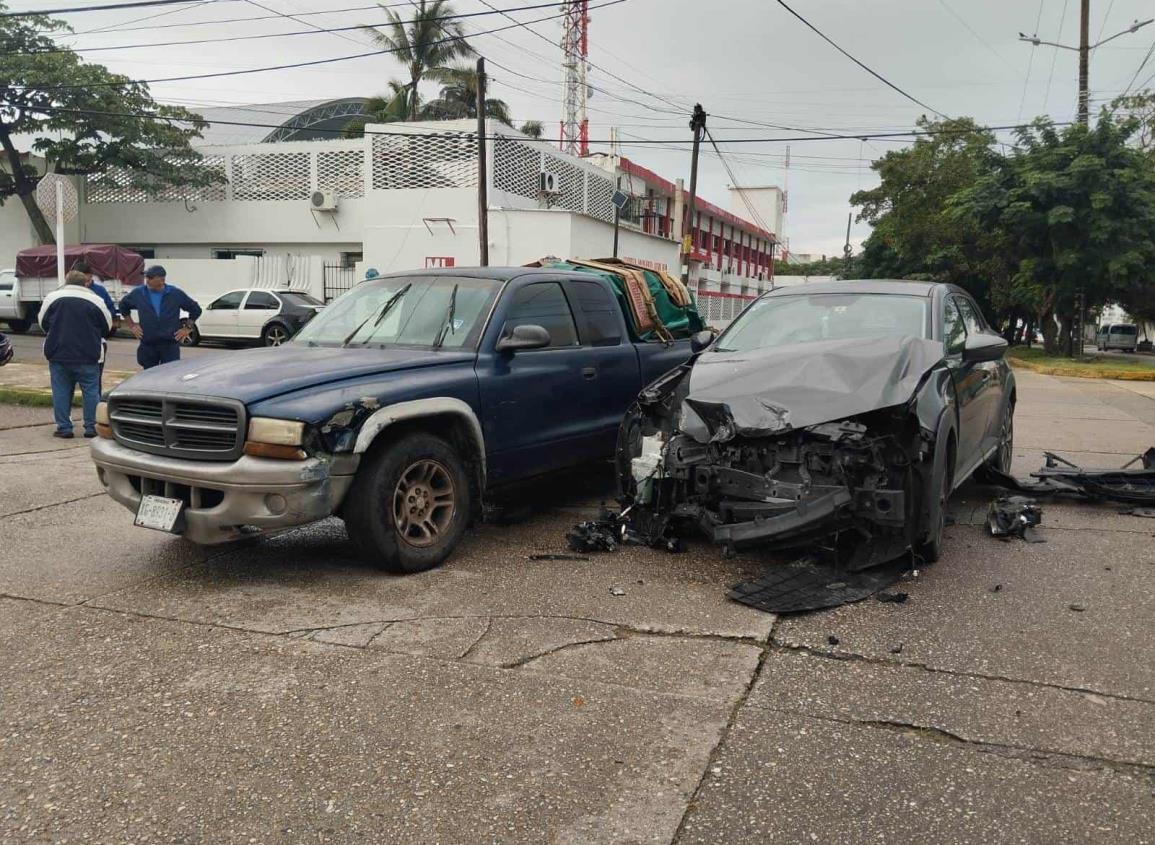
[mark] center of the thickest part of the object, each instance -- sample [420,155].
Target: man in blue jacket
[158,321]
[76,323]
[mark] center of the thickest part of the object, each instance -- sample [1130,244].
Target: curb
[1074,372]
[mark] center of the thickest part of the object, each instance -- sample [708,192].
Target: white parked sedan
[255,315]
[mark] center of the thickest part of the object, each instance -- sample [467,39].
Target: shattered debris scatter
[598,535]
[893,598]
[1015,516]
[558,557]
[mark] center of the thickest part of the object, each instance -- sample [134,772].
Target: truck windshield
[777,321]
[416,318]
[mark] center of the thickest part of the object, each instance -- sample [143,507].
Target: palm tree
[390,108]
[458,98]
[425,45]
[532,128]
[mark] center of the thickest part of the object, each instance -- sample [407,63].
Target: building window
[230,254]
[350,259]
[146,252]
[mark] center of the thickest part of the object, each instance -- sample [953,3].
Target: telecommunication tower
[575,130]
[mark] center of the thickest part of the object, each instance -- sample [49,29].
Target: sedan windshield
[778,321]
[399,311]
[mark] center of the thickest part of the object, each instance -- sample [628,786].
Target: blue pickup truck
[398,408]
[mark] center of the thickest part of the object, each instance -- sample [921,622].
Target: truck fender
[381,419]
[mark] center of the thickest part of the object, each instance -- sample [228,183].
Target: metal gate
[337,280]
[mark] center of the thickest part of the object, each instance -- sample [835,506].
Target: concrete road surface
[282,691]
[121,351]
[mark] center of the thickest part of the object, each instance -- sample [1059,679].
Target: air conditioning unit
[323,201]
[549,183]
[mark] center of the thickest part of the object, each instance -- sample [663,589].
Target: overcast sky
[742,59]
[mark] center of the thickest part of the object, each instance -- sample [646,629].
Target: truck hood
[765,391]
[257,374]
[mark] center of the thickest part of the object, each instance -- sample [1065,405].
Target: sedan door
[969,384]
[991,385]
[219,319]
[259,307]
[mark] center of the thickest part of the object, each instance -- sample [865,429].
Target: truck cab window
[602,326]
[543,304]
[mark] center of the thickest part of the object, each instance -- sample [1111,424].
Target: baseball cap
[155,270]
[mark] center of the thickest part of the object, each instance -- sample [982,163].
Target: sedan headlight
[271,438]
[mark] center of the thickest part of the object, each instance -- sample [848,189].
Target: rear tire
[275,334]
[19,326]
[409,504]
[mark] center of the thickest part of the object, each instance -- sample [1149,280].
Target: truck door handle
[589,373]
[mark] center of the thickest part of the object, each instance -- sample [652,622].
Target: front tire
[194,337]
[409,504]
[930,549]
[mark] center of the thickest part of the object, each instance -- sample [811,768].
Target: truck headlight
[272,438]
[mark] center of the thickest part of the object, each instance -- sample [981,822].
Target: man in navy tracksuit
[158,322]
[76,324]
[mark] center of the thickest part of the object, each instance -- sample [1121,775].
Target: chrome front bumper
[227,500]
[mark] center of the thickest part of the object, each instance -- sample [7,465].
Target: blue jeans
[154,354]
[65,378]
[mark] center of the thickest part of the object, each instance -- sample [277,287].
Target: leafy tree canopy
[80,117]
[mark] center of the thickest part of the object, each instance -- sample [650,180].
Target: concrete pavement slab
[121,729]
[22,416]
[1067,434]
[41,480]
[1056,412]
[1143,388]
[793,779]
[38,439]
[1003,609]
[77,551]
[449,639]
[1004,713]
[311,579]
[513,641]
[707,668]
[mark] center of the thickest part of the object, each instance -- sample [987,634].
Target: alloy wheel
[424,502]
[275,336]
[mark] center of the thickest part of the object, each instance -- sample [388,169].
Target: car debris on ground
[1059,477]
[1015,516]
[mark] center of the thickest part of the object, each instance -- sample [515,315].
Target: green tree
[458,98]
[1076,210]
[81,118]
[391,108]
[426,44]
[914,235]
[532,128]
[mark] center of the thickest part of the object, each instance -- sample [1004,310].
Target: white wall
[767,201]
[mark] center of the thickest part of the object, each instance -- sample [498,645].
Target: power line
[898,134]
[313,26]
[969,29]
[1030,62]
[246,71]
[114,26]
[70,10]
[869,70]
[315,30]
[1055,57]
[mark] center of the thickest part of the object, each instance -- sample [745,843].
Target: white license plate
[158,512]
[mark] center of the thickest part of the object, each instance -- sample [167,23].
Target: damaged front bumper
[853,486]
[227,500]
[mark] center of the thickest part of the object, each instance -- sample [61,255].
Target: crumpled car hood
[767,391]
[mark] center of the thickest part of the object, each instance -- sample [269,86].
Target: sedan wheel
[1005,454]
[275,335]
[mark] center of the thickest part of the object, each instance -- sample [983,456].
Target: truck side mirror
[524,337]
[701,340]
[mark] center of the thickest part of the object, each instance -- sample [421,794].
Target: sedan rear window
[300,299]
[802,318]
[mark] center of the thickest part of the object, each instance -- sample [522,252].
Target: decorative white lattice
[117,185]
[424,161]
[716,308]
[516,168]
[571,182]
[342,171]
[600,203]
[271,176]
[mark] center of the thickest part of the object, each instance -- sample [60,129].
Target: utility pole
[846,249]
[698,124]
[482,177]
[1084,54]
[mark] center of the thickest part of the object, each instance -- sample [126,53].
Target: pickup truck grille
[179,427]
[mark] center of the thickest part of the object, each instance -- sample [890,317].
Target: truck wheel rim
[277,336]
[424,503]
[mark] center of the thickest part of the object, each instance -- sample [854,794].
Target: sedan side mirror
[524,337]
[701,340]
[984,347]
